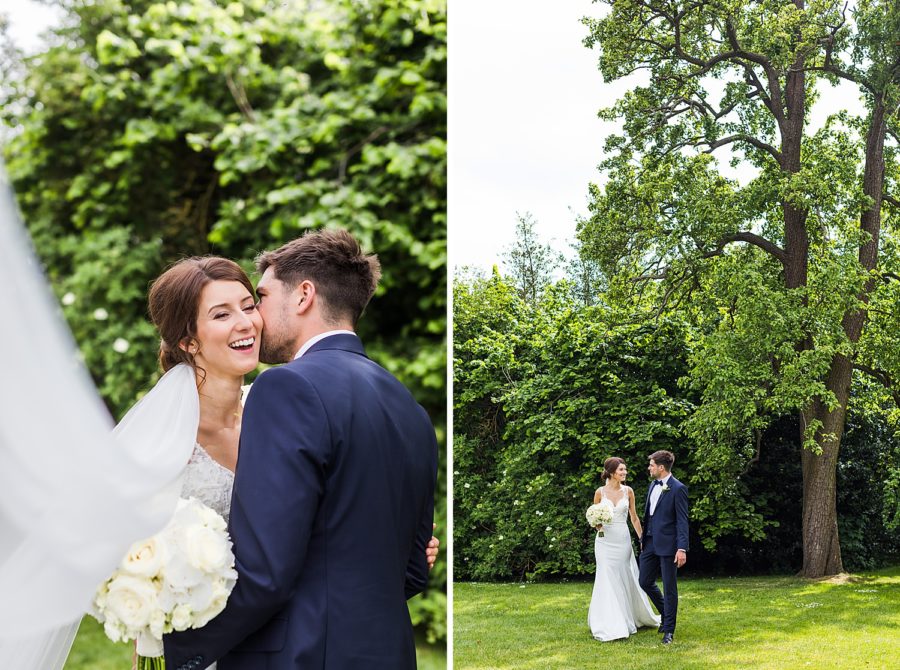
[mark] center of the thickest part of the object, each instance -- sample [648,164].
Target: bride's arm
[635,521]
[598,496]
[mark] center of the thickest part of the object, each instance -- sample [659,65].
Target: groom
[334,488]
[664,543]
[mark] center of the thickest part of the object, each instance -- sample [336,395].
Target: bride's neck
[614,484]
[220,399]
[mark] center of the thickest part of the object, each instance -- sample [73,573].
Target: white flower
[131,600]
[207,550]
[466,485]
[158,626]
[68,299]
[178,579]
[181,617]
[121,345]
[114,629]
[665,487]
[500,537]
[144,558]
[101,314]
[549,528]
[539,513]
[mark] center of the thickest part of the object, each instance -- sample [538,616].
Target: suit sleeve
[681,517]
[417,567]
[285,446]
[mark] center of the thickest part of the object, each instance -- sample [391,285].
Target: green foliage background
[148,131]
[545,391]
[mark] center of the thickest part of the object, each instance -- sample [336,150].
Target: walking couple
[620,603]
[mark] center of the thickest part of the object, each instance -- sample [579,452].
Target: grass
[92,651]
[761,623]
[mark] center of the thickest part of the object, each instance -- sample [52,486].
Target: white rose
[207,550]
[131,600]
[144,558]
[158,625]
[181,617]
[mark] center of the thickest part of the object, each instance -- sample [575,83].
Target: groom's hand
[431,551]
[680,557]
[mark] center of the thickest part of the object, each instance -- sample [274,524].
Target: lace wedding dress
[209,482]
[618,604]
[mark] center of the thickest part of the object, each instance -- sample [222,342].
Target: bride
[618,604]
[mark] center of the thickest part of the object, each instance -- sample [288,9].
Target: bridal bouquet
[178,579]
[597,515]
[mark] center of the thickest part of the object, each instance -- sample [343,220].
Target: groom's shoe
[660,630]
[667,638]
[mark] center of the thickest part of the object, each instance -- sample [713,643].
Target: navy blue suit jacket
[331,511]
[670,519]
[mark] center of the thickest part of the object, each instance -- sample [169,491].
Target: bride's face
[228,329]
[621,473]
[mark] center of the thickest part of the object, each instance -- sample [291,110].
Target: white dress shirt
[321,336]
[656,492]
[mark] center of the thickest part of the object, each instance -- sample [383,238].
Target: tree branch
[749,139]
[758,241]
[883,378]
[240,98]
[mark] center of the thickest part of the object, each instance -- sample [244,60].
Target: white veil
[73,494]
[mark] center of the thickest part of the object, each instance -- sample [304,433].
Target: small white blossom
[466,485]
[101,314]
[549,528]
[500,537]
[121,345]
[68,298]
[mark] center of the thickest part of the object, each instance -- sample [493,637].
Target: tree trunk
[821,544]
[821,547]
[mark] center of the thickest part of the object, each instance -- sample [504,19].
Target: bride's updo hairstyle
[175,298]
[610,465]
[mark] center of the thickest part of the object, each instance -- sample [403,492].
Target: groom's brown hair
[344,276]
[663,458]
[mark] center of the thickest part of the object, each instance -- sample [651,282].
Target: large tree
[787,273]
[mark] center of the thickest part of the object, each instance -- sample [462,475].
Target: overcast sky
[28,20]
[523,129]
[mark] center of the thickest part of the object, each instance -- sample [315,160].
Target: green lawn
[92,651]
[777,623]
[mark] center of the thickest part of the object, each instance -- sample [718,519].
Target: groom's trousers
[651,564]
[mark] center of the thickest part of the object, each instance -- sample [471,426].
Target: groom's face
[279,336]
[654,469]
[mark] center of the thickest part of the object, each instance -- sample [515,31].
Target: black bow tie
[658,482]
